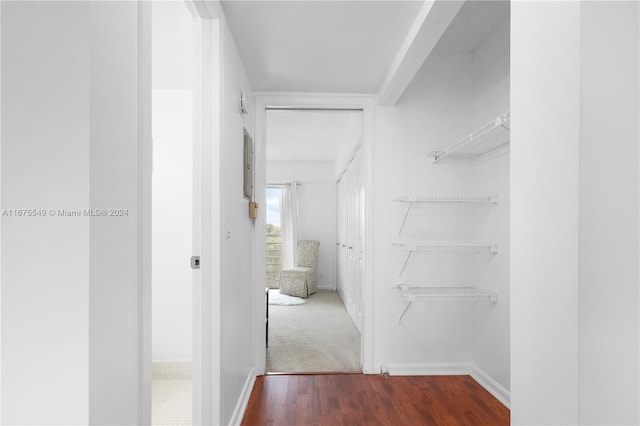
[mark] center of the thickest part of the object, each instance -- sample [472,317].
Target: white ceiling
[319,46]
[340,46]
[306,135]
[333,46]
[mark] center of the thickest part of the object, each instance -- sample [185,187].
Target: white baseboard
[430,369]
[453,369]
[493,387]
[171,370]
[243,400]
[328,287]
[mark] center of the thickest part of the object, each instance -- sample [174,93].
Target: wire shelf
[446,293]
[457,199]
[444,248]
[412,294]
[491,136]
[480,199]
[449,247]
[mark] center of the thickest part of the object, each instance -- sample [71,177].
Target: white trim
[259,305]
[201,344]
[327,287]
[368,283]
[365,103]
[430,369]
[243,400]
[215,107]
[0,219]
[145,164]
[206,356]
[493,387]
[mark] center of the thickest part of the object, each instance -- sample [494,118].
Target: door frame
[365,103]
[206,137]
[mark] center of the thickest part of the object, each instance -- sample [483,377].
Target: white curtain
[289,223]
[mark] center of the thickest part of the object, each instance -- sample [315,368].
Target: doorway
[173,118]
[316,182]
[200,35]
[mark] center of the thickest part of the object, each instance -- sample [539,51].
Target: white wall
[609,135]
[545,133]
[555,95]
[114,242]
[236,252]
[316,208]
[70,303]
[490,73]
[301,171]
[172,212]
[172,306]
[45,260]
[432,113]
[172,45]
[574,269]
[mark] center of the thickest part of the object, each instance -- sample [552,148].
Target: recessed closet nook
[442,209]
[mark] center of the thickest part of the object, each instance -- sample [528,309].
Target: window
[273,248]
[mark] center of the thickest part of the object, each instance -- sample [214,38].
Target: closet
[489,138]
[442,208]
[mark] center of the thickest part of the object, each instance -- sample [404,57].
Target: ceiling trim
[432,21]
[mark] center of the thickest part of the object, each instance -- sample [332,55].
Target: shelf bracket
[405,263]
[437,155]
[406,215]
[404,311]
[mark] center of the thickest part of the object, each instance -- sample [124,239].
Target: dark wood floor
[358,399]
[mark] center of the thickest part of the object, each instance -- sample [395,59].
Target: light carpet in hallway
[316,336]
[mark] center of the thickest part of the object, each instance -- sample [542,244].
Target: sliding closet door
[349,248]
[341,237]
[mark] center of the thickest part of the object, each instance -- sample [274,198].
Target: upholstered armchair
[300,281]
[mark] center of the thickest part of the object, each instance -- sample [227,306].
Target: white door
[341,237]
[350,248]
[205,347]
[194,213]
[355,239]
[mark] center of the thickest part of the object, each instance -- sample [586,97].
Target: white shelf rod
[502,121]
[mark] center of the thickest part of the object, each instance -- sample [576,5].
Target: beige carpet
[316,336]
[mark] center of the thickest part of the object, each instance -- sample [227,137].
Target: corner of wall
[243,400]
[493,387]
